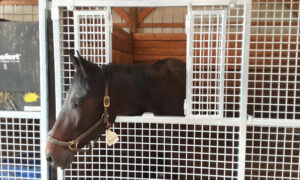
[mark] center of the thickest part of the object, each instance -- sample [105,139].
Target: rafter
[143,14]
[123,14]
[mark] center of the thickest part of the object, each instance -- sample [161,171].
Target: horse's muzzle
[58,156]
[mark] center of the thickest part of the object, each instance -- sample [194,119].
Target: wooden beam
[143,14]
[144,25]
[121,25]
[19,2]
[123,14]
[133,20]
[159,37]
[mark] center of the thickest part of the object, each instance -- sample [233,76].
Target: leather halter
[73,144]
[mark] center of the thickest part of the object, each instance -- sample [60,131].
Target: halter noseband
[73,144]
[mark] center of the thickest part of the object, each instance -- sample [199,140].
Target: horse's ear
[79,63]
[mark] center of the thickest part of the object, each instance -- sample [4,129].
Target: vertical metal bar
[43,85]
[108,37]
[57,58]
[244,89]
[76,32]
[57,65]
[189,58]
[222,66]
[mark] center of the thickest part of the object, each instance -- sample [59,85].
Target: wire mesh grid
[90,31]
[204,152]
[273,93]
[207,70]
[274,80]
[87,45]
[162,151]
[233,57]
[20,148]
[272,153]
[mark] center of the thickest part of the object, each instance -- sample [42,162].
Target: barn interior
[204,149]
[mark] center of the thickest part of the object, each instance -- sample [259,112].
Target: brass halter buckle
[106,101]
[72,145]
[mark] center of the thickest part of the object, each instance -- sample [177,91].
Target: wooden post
[133,20]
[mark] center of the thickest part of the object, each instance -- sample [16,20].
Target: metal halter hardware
[73,144]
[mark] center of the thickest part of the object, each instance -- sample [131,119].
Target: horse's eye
[77,103]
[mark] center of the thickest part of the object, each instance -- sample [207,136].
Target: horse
[98,94]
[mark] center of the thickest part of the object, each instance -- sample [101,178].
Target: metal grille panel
[90,35]
[163,151]
[274,81]
[187,151]
[20,148]
[272,152]
[90,39]
[208,31]
[233,40]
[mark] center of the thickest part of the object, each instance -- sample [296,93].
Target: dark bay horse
[133,89]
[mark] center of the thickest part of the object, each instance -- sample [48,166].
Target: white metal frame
[107,32]
[140,3]
[243,121]
[219,57]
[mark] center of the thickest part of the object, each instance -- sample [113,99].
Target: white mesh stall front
[273,138]
[160,148]
[149,150]
[208,31]
[274,87]
[183,149]
[92,35]
[20,147]
[229,54]
[272,153]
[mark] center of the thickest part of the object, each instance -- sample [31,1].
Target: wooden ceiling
[18,2]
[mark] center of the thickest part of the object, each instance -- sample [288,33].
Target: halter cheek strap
[106,104]
[73,144]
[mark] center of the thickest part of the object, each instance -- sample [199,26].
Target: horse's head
[81,111]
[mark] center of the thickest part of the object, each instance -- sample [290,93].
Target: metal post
[244,89]
[43,85]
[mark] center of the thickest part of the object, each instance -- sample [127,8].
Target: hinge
[185,107]
[54,13]
[187,23]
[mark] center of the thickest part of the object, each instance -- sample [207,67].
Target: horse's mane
[138,72]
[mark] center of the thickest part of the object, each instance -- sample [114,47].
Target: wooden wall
[122,47]
[150,48]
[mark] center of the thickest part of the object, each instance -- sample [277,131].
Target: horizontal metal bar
[208,121]
[177,120]
[274,123]
[20,114]
[142,3]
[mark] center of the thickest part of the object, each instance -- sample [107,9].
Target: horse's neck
[130,93]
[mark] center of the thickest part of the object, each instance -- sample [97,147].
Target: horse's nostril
[49,158]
